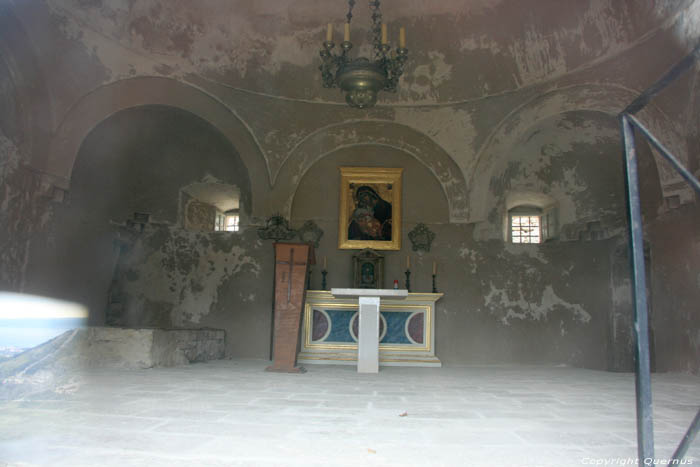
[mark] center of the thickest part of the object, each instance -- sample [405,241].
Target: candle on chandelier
[329,33]
[402,37]
[434,268]
[384,34]
[347,32]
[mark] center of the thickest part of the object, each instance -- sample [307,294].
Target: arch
[607,99]
[380,133]
[109,99]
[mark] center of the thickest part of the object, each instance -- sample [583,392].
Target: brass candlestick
[434,287]
[323,281]
[408,279]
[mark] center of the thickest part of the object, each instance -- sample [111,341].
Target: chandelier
[361,78]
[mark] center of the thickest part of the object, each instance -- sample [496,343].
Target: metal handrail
[645,428]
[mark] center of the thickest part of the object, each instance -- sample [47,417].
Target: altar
[330,330]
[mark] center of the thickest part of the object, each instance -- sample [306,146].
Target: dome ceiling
[458,50]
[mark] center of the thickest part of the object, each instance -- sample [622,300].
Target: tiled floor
[229,413]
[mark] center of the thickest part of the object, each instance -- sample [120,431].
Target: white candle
[325,263]
[329,33]
[347,32]
[384,34]
[408,262]
[434,268]
[402,37]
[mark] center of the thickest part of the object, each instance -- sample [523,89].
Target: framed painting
[370,208]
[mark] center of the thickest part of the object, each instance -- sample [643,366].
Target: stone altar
[330,330]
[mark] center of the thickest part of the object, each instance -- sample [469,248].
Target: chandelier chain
[351,4]
[376,28]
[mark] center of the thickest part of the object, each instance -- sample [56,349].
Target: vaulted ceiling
[459,50]
[481,74]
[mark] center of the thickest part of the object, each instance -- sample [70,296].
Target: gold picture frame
[370,208]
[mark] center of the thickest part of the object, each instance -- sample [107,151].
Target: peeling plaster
[536,57]
[540,55]
[531,251]
[424,80]
[9,162]
[472,255]
[450,127]
[519,308]
[186,271]
[262,46]
[171,38]
[26,210]
[482,42]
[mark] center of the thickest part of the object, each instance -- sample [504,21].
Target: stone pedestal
[368,345]
[368,328]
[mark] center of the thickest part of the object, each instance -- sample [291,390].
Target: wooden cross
[291,264]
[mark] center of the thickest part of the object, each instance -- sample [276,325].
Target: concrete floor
[229,413]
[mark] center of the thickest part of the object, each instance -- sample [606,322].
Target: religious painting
[370,208]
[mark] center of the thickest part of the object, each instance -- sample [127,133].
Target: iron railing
[645,425]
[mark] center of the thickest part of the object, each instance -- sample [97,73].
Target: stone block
[146,348]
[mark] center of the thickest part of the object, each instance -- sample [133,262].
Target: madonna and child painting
[370,208]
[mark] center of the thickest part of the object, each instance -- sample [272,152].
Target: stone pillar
[368,339]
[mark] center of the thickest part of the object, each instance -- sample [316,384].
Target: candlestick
[434,286]
[308,280]
[347,32]
[408,279]
[384,34]
[402,37]
[329,33]
[323,281]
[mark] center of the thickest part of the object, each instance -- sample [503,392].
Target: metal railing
[645,426]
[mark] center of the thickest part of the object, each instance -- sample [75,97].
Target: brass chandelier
[361,78]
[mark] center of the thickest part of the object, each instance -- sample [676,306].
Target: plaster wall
[502,99]
[502,303]
[171,278]
[675,289]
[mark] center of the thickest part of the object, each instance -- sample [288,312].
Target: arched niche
[139,159]
[372,133]
[99,104]
[135,161]
[513,130]
[317,198]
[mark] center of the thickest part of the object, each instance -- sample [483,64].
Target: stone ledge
[147,348]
